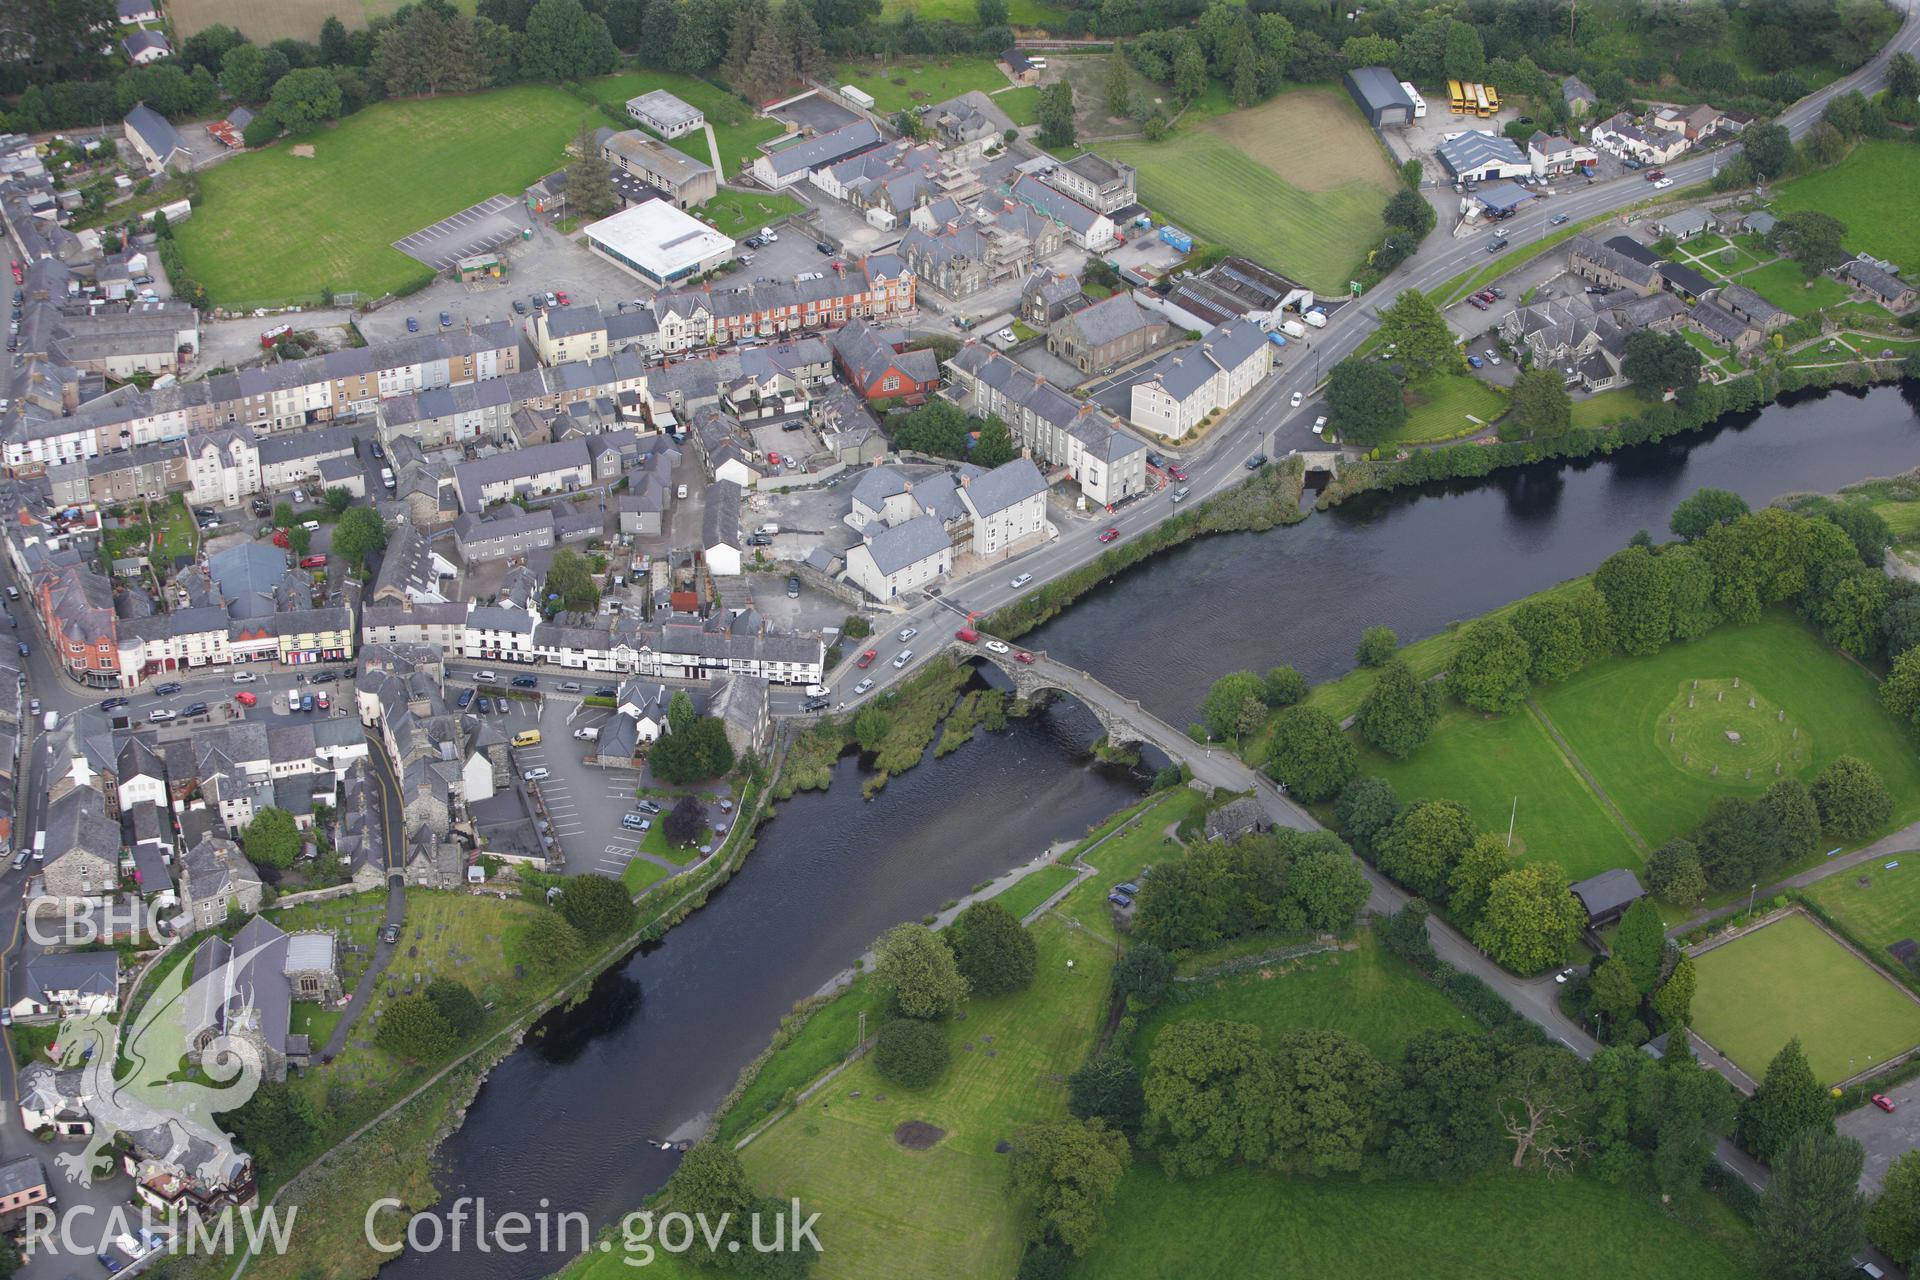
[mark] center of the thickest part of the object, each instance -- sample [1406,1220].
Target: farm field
[1223,183]
[1612,715]
[1020,13]
[1872,192]
[1369,993]
[1489,763]
[736,130]
[1789,979]
[296,19]
[946,1211]
[920,82]
[1438,408]
[1241,1222]
[273,227]
[1880,913]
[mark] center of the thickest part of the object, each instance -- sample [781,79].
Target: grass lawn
[1438,408]
[273,227]
[1121,858]
[1222,182]
[1881,912]
[824,1042]
[1243,1222]
[741,213]
[314,1022]
[1369,993]
[1706,346]
[1486,763]
[1022,105]
[1872,192]
[736,129]
[942,1212]
[640,873]
[1608,406]
[1792,979]
[1035,889]
[1613,715]
[919,82]
[1020,13]
[174,532]
[1784,285]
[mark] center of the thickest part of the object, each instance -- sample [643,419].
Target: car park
[465,699]
[306,702]
[1479,303]
[1021,581]
[320,700]
[650,807]
[905,656]
[634,822]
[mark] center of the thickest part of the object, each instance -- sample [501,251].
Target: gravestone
[1716,771]
[1733,736]
[1736,682]
[1719,695]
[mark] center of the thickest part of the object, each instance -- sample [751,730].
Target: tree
[1189,71]
[1735,846]
[871,726]
[1284,686]
[1543,1100]
[1636,590]
[1550,629]
[1903,92]
[938,427]
[299,540]
[1107,1087]
[1235,705]
[552,942]
[1055,115]
[1119,85]
[1690,588]
[1310,754]
[911,1053]
[1369,51]
[749,20]
[1853,801]
[260,130]
[597,905]
[247,72]
[431,50]
[276,1123]
[1142,974]
[1067,1173]
[337,499]
[1814,1216]
[1377,647]
[1423,342]
[1421,847]
[1788,1101]
[1531,921]
[359,533]
[1399,711]
[1443,1121]
[770,63]
[590,178]
[570,579]
[459,1006]
[1811,238]
[1490,667]
[304,97]
[1704,510]
[914,963]
[1693,1109]
[565,42]
[1792,818]
[1641,944]
[994,446]
[696,751]
[1768,148]
[1614,993]
[1478,866]
[1210,1094]
[1367,807]
[1245,89]
[1327,885]
[1328,1111]
[1866,528]
[1660,362]
[1466,57]
[1363,398]
[994,952]
[1901,691]
[1674,1000]
[335,48]
[685,823]
[411,1028]
[1539,404]
[1893,1224]
[272,839]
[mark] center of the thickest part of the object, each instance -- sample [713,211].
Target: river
[664,1036]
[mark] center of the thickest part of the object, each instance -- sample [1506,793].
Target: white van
[587,733]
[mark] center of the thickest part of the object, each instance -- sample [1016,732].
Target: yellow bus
[1456,97]
[1490,98]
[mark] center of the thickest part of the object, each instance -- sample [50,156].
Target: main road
[1266,421]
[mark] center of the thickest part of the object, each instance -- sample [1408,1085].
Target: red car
[774,458]
[562,295]
[1654,175]
[245,698]
[280,539]
[17,276]
[1176,472]
[1024,656]
[1883,1102]
[967,635]
[313,562]
[866,659]
[1109,535]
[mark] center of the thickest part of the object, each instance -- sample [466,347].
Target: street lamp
[1754,888]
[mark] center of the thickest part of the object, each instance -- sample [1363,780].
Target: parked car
[1476,362]
[536,774]
[1256,462]
[793,588]
[634,822]
[484,706]
[413,324]
[519,307]
[1883,1102]
[446,319]
[1493,357]
[606,691]
[160,715]
[195,709]
[306,702]
[816,704]
[390,934]
[525,682]
[465,699]
[1320,424]
[1120,900]
[650,807]
[565,301]
[322,677]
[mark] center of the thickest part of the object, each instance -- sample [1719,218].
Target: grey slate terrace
[720,521]
[1056,204]
[160,136]
[94,973]
[1005,485]
[23,1175]
[1112,319]
[908,542]
[825,149]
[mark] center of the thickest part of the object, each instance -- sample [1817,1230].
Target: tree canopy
[1363,399]
[272,839]
[994,952]
[918,967]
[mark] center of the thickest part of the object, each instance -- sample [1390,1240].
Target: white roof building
[658,242]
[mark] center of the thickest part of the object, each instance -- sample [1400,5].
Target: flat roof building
[659,243]
[665,114]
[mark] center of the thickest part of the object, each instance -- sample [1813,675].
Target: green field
[1607,406]
[1879,913]
[1241,1223]
[944,1212]
[736,129]
[741,213]
[1222,182]
[1030,891]
[1437,409]
[1872,192]
[1121,858]
[1613,715]
[1785,285]
[1489,763]
[640,873]
[828,1037]
[1020,13]
[1369,993]
[920,82]
[1791,979]
[273,227]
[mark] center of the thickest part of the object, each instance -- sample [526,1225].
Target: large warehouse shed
[1379,95]
[1478,155]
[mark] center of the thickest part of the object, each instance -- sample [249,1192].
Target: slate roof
[1056,204]
[825,149]
[154,130]
[1005,485]
[22,1175]
[908,542]
[720,522]
[1630,261]
[1745,300]
[94,973]
[877,485]
[1476,149]
[1111,320]
[1685,278]
[1883,284]
[1608,891]
[1574,89]
[1719,322]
